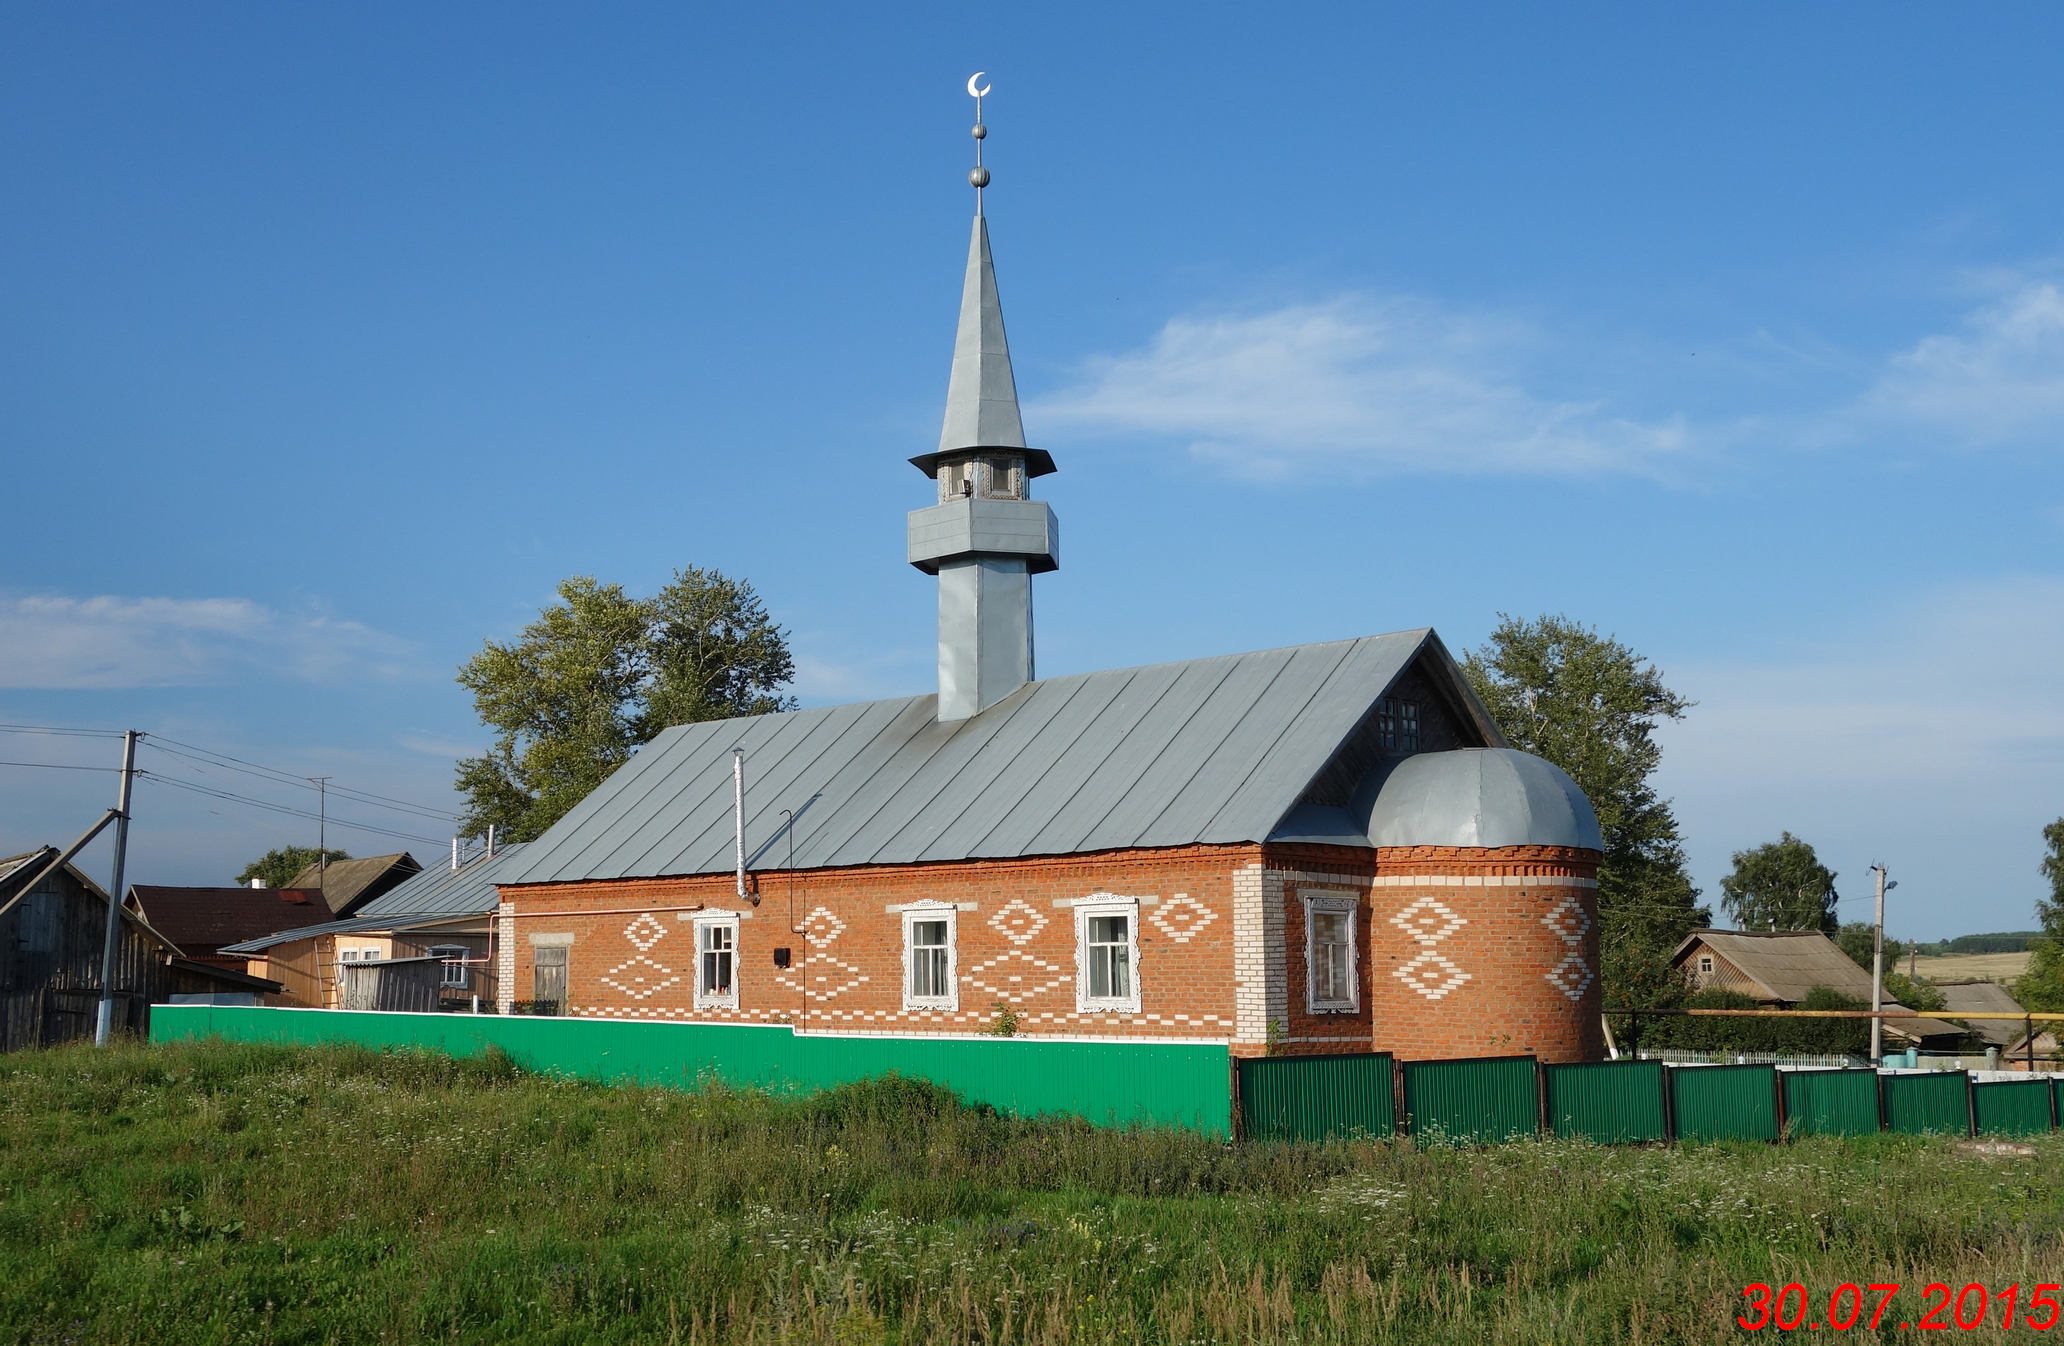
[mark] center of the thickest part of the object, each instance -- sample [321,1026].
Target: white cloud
[1998,379]
[1931,737]
[1372,384]
[57,642]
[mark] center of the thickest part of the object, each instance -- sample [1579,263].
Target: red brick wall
[1483,953]
[855,945]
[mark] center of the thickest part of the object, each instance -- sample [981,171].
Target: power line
[61,766]
[59,729]
[289,810]
[278,777]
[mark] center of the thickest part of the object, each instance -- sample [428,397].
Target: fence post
[1540,1096]
[1399,1123]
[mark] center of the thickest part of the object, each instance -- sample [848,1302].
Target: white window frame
[1332,902]
[1705,965]
[1087,908]
[704,999]
[455,958]
[933,911]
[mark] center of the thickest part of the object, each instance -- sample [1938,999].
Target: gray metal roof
[1208,751]
[443,890]
[1482,797]
[350,925]
[982,394]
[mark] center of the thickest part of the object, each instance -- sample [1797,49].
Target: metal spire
[978,176]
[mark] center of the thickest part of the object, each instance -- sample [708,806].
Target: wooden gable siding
[50,955]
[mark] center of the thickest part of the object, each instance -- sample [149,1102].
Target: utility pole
[1877,1050]
[114,911]
[322,835]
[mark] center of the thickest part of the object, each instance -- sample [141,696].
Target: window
[455,974]
[1331,984]
[956,480]
[1003,478]
[1705,962]
[1397,724]
[929,980]
[716,963]
[1107,955]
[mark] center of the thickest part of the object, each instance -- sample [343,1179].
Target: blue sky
[335,337]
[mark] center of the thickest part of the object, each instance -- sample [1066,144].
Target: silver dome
[1482,797]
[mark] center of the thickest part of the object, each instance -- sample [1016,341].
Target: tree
[279,865]
[1856,939]
[1780,885]
[599,674]
[2042,986]
[1590,705]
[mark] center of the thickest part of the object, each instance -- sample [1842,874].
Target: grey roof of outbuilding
[441,890]
[1207,751]
[349,925]
[1983,997]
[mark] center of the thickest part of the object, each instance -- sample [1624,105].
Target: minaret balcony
[975,527]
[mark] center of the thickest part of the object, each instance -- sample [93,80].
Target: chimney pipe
[490,841]
[257,883]
[738,814]
[454,855]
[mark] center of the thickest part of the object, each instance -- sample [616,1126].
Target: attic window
[1705,963]
[1397,724]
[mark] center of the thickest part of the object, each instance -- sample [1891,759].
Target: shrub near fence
[1611,1102]
[1477,1102]
[1724,1102]
[1831,1102]
[1933,1103]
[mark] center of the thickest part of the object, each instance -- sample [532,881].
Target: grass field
[2002,967]
[206,1193]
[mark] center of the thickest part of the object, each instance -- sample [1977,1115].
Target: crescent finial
[973,92]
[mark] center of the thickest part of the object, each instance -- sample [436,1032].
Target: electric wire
[276,777]
[288,809]
[62,766]
[60,729]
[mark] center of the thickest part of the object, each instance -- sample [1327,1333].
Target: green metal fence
[1477,1102]
[1724,1102]
[1935,1103]
[1317,1097]
[1831,1102]
[2011,1107]
[1612,1102]
[1109,1083]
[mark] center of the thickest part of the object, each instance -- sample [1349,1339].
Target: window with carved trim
[1331,983]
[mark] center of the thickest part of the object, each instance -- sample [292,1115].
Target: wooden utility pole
[114,912]
[1877,1049]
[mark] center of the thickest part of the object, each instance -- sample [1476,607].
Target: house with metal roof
[1324,848]
[439,913]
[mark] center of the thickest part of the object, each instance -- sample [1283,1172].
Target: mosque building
[1321,849]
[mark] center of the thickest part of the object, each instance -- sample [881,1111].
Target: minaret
[984,539]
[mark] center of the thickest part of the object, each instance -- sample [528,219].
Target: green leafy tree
[2042,986]
[600,673]
[279,865]
[1591,705]
[1780,885]
[1855,939]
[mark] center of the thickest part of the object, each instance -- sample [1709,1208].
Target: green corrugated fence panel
[1724,1102]
[1473,1102]
[1108,1083]
[1316,1097]
[2011,1107]
[1612,1102]
[1831,1102]
[1933,1103]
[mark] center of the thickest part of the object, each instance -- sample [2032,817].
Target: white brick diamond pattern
[1016,976]
[1017,921]
[1571,976]
[643,933]
[1427,922]
[1431,975]
[821,976]
[1182,918]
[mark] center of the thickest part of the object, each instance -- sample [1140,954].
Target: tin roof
[441,890]
[1984,997]
[349,925]
[1208,751]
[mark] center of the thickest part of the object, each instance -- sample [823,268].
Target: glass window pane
[928,932]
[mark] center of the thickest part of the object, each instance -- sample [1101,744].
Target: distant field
[204,1193]
[1992,966]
